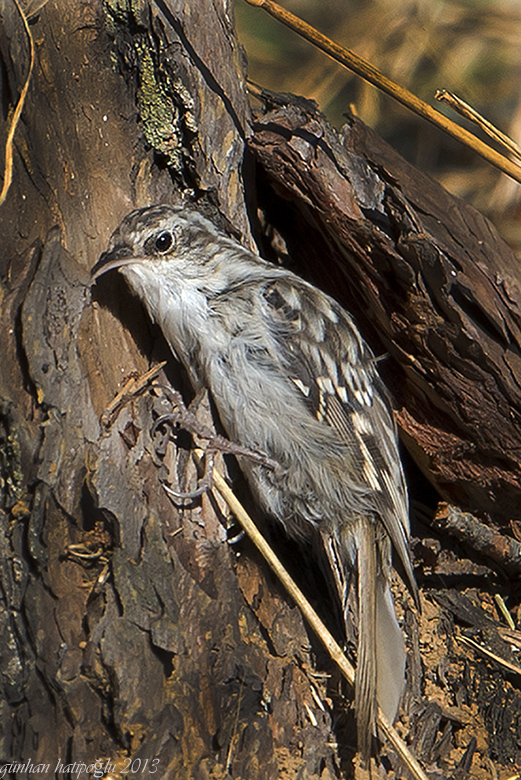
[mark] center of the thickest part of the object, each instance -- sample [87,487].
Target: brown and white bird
[291,378]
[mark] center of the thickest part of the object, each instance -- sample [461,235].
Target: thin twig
[489,654]
[466,110]
[131,388]
[485,540]
[335,651]
[368,72]
[512,637]
[15,118]
[504,611]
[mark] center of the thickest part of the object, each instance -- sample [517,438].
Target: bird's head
[158,238]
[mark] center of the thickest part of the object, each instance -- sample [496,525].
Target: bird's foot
[182,417]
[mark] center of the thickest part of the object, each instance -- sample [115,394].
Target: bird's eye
[164,242]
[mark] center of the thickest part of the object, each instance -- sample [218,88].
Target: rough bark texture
[129,629]
[433,284]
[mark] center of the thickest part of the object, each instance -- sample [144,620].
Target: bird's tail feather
[390,653]
[380,672]
[366,668]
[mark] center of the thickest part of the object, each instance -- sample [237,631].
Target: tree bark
[131,631]
[431,284]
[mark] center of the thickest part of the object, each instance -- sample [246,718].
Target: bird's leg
[184,418]
[205,483]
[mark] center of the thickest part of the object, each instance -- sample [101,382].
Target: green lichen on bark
[11,473]
[138,49]
[157,112]
[123,12]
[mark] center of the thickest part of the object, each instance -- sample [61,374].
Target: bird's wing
[335,371]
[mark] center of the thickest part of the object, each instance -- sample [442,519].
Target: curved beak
[117,257]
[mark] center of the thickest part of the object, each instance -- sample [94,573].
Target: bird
[291,378]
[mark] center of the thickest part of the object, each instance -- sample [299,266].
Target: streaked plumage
[291,378]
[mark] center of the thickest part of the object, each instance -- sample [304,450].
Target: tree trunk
[132,633]
[431,284]
[130,630]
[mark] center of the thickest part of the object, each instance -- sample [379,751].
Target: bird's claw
[186,419]
[205,483]
[190,496]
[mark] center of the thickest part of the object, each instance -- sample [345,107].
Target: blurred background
[470,47]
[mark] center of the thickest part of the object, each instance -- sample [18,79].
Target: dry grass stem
[466,110]
[489,654]
[365,70]
[17,113]
[504,611]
